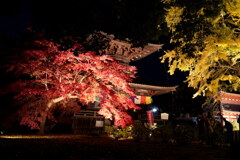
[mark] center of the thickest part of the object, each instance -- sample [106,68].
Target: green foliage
[140,131]
[136,131]
[116,132]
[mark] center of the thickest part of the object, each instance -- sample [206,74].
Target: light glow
[155,109]
[38,136]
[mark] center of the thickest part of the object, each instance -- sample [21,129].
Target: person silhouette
[229,127]
[238,120]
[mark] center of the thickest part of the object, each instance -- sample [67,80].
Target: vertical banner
[150,117]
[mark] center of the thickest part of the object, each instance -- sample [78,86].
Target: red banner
[150,117]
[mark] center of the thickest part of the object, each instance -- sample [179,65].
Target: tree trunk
[49,105]
[44,118]
[42,123]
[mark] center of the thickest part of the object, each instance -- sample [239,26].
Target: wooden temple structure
[124,52]
[229,108]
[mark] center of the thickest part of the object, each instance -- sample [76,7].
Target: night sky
[152,71]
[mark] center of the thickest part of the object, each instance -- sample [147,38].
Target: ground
[76,147]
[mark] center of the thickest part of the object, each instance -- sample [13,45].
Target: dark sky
[16,16]
[152,71]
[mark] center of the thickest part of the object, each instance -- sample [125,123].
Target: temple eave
[144,86]
[147,50]
[149,90]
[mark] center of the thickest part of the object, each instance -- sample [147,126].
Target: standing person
[229,127]
[238,120]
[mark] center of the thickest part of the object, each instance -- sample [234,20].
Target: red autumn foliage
[56,74]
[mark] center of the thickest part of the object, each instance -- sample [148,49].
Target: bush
[216,137]
[185,133]
[181,132]
[139,131]
[178,132]
[116,133]
[164,132]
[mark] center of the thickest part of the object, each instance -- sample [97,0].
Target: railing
[236,136]
[234,139]
[87,122]
[88,114]
[143,117]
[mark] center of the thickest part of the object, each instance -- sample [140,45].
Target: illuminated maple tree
[56,74]
[206,36]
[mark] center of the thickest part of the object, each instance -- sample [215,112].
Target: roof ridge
[153,85]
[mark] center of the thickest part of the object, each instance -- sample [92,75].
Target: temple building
[123,52]
[228,107]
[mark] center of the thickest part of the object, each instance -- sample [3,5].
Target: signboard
[150,117]
[99,123]
[164,116]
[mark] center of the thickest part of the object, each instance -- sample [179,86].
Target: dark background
[133,19]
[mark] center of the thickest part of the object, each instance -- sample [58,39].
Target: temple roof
[231,98]
[150,90]
[124,51]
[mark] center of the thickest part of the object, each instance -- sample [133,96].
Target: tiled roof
[230,98]
[125,52]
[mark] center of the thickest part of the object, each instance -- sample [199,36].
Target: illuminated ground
[67,147]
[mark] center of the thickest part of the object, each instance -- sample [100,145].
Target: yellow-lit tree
[206,38]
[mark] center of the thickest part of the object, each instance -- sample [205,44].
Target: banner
[150,117]
[136,100]
[142,99]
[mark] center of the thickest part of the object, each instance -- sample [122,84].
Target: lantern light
[155,109]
